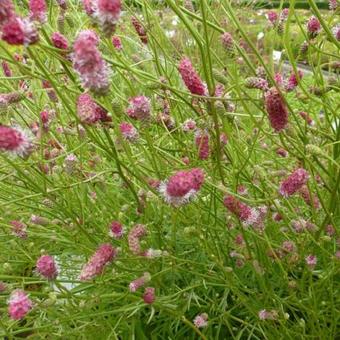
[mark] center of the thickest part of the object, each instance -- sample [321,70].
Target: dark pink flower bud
[17,31]
[139,108]
[38,10]
[15,140]
[149,296]
[117,43]
[276,109]
[306,117]
[282,152]
[59,41]
[140,30]
[272,17]
[202,142]
[19,304]
[116,230]
[313,26]
[228,42]
[6,69]
[46,267]
[294,182]
[96,264]
[128,131]
[293,81]
[191,78]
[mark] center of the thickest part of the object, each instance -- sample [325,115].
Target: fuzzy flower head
[313,26]
[128,131]
[228,42]
[272,17]
[15,141]
[256,83]
[6,11]
[149,295]
[191,78]
[18,31]
[201,320]
[46,267]
[19,229]
[268,315]
[311,261]
[87,109]
[88,62]
[89,7]
[182,186]
[189,125]
[202,142]
[96,264]
[293,81]
[19,304]
[139,108]
[38,10]
[333,4]
[59,41]
[294,182]
[6,99]
[116,230]
[107,13]
[247,215]
[336,32]
[276,109]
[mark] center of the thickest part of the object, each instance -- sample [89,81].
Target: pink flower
[6,69]
[289,246]
[87,61]
[50,91]
[333,5]
[89,111]
[313,26]
[117,43]
[306,117]
[140,30]
[107,13]
[135,234]
[62,4]
[227,41]
[293,81]
[191,78]
[201,320]
[311,261]
[202,142]
[116,230]
[59,41]
[19,304]
[268,315]
[6,11]
[278,79]
[96,264]
[17,31]
[246,214]
[272,17]
[19,229]
[149,295]
[189,125]
[276,109]
[46,267]
[282,152]
[336,32]
[89,7]
[128,131]
[311,200]
[256,83]
[7,99]
[15,140]
[139,108]
[38,10]
[182,186]
[294,182]
[140,282]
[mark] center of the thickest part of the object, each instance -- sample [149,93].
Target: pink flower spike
[96,264]
[139,108]
[129,132]
[107,13]
[276,109]
[311,261]
[38,10]
[149,296]
[140,282]
[202,142]
[19,229]
[294,182]
[135,234]
[6,11]
[59,41]
[116,230]
[191,78]
[140,30]
[19,304]
[117,43]
[46,267]
[6,69]
[313,26]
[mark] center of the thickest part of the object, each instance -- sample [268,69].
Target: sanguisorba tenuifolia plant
[169,170]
